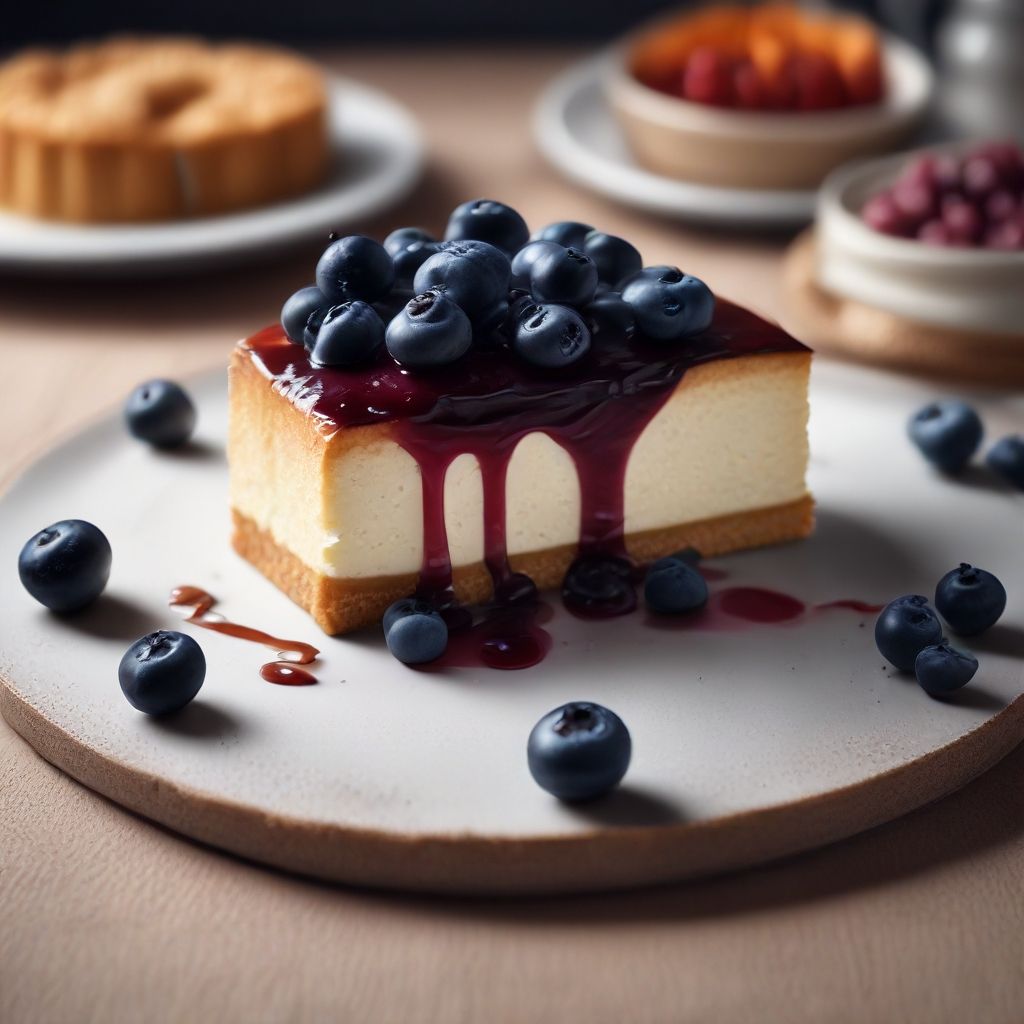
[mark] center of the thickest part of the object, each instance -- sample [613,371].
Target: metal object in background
[980,53]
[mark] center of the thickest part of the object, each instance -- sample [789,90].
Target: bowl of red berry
[936,236]
[763,97]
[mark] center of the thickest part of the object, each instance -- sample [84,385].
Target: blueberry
[522,262]
[66,566]
[551,336]
[297,310]
[430,331]
[579,751]
[947,433]
[669,304]
[402,238]
[161,672]
[672,586]
[564,232]
[488,221]
[1006,457]
[415,637]
[905,627]
[392,304]
[408,260]
[312,328]
[405,606]
[160,413]
[599,585]
[970,599]
[350,335]
[566,276]
[473,274]
[941,669]
[614,257]
[609,314]
[355,267]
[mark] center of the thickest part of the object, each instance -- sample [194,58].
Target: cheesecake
[354,486]
[153,129]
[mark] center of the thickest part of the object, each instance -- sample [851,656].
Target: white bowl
[954,287]
[743,149]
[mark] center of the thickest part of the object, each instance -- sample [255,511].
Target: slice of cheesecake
[350,489]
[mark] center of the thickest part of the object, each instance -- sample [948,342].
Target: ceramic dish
[576,131]
[947,286]
[379,161]
[700,143]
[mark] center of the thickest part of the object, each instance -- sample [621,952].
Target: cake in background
[153,129]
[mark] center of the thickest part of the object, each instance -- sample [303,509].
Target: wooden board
[750,743]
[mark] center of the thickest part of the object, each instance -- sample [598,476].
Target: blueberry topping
[947,433]
[905,627]
[160,413]
[579,751]
[350,335]
[970,599]
[609,313]
[295,313]
[488,221]
[673,586]
[523,261]
[566,276]
[355,267]
[564,232]
[1006,457]
[162,672]
[614,257]
[66,566]
[415,634]
[473,274]
[410,259]
[551,336]
[312,328]
[669,304]
[430,331]
[600,586]
[402,238]
[941,669]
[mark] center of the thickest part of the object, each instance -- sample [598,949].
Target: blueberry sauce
[292,653]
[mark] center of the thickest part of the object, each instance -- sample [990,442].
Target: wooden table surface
[105,917]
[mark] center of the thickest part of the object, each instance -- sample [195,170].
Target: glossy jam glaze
[484,404]
[292,653]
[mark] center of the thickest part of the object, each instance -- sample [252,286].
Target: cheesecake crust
[344,605]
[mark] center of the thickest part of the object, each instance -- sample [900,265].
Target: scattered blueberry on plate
[414,632]
[947,433]
[1006,457]
[906,627]
[297,310]
[673,586]
[355,267]
[430,331]
[579,751]
[668,304]
[160,413]
[162,672]
[350,334]
[66,566]
[970,599]
[941,669]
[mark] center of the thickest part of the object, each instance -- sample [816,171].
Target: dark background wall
[341,21]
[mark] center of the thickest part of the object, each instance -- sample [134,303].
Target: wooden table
[105,917]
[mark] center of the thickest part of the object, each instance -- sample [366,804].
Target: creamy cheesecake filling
[731,437]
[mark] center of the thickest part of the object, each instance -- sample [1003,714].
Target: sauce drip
[292,653]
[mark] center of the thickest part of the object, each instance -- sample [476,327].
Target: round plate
[576,131]
[750,742]
[379,159]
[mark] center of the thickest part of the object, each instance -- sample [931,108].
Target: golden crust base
[157,129]
[342,605]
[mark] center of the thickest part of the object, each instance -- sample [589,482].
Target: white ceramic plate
[379,161]
[749,743]
[576,131]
